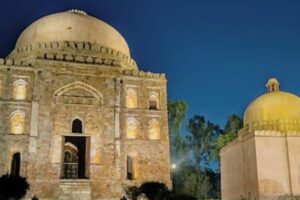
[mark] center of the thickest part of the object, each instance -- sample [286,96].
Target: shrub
[152,190]
[155,191]
[13,187]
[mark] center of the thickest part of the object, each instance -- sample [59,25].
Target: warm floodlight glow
[173,166]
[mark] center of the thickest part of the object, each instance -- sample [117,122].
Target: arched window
[68,157]
[153,102]
[154,129]
[77,126]
[131,98]
[131,128]
[19,89]
[71,153]
[17,122]
[131,168]
[15,164]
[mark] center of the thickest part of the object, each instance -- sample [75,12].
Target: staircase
[71,189]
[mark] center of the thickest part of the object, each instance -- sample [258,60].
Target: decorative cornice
[14,62]
[72,51]
[77,52]
[277,125]
[277,128]
[82,59]
[79,59]
[143,74]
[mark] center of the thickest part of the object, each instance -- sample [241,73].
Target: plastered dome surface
[73,26]
[272,107]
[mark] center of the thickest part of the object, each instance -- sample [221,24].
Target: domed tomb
[273,110]
[78,113]
[73,36]
[73,26]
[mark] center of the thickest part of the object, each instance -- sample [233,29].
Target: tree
[215,183]
[189,181]
[176,115]
[197,151]
[202,134]
[201,143]
[13,187]
[233,125]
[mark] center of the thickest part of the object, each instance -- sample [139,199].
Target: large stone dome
[73,25]
[274,108]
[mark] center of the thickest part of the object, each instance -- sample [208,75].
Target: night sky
[217,54]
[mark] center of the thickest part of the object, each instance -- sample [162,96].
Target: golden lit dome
[73,25]
[273,108]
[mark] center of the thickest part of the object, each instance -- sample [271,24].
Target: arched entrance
[76,157]
[15,164]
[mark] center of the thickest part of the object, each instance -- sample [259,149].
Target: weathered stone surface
[80,80]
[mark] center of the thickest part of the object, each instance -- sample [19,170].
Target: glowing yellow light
[17,123]
[131,98]
[154,130]
[131,128]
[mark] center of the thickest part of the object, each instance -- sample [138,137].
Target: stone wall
[60,91]
[261,165]
[232,172]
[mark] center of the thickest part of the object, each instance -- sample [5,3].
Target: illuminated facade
[263,162]
[78,118]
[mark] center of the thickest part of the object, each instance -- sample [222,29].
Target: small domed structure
[266,151]
[72,25]
[272,85]
[273,108]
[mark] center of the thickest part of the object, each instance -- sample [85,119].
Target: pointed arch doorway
[75,157]
[15,164]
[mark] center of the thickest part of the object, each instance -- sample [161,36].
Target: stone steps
[75,190]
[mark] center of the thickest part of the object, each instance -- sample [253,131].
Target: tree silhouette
[13,187]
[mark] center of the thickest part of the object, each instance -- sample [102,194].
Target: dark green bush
[155,191]
[13,187]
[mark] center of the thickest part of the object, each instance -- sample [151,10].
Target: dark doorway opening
[76,164]
[15,164]
[129,168]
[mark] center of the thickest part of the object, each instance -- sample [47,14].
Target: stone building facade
[264,161]
[77,116]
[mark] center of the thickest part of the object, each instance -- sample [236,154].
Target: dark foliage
[152,190]
[132,192]
[174,196]
[36,198]
[214,179]
[14,187]
[156,191]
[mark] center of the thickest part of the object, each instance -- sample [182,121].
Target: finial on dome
[77,11]
[272,85]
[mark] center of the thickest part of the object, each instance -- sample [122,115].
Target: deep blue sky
[217,54]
